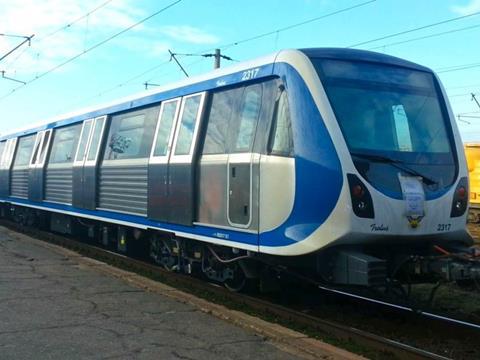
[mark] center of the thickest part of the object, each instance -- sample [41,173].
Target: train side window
[65,141]
[131,134]
[7,156]
[95,142]
[249,114]
[3,150]
[44,148]
[281,134]
[84,137]
[168,114]
[24,152]
[221,111]
[188,124]
[36,147]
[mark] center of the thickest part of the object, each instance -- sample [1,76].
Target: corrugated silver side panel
[58,184]
[123,187]
[19,182]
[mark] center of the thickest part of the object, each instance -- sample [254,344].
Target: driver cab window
[281,140]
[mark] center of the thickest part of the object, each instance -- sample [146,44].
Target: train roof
[361,55]
[147,97]
[136,99]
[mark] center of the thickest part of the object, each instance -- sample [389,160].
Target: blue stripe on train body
[318,172]
[141,221]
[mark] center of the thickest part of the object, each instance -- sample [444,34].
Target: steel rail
[258,306]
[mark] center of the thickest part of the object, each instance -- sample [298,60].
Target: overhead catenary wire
[425,37]
[129,80]
[292,26]
[93,47]
[457,68]
[26,39]
[62,28]
[206,55]
[286,28]
[389,36]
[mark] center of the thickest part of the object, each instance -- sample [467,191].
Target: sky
[87,52]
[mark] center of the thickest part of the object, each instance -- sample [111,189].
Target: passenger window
[2,155]
[222,108]
[8,153]
[282,143]
[65,142]
[187,125]
[44,148]
[87,126]
[249,113]
[24,152]
[402,128]
[167,118]
[36,147]
[131,134]
[96,138]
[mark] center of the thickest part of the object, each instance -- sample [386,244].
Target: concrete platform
[56,304]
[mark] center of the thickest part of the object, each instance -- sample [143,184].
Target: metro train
[344,164]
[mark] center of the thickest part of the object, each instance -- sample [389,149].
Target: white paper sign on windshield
[413,195]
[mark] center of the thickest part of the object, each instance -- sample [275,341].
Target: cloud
[470,7]
[42,18]
[189,34]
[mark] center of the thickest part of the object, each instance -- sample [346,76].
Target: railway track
[389,348]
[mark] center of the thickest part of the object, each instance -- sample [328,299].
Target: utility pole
[216,65]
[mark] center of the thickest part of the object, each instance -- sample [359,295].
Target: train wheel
[239,280]
[162,254]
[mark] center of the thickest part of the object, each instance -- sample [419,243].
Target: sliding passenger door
[182,164]
[19,175]
[59,166]
[243,163]
[90,168]
[158,204]
[80,158]
[172,162]
[36,176]
[85,164]
[6,165]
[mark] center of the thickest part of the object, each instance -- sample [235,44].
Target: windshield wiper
[396,163]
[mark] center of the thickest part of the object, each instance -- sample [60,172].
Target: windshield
[392,112]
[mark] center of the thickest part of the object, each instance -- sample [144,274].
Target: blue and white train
[345,163]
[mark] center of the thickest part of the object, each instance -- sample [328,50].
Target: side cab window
[281,139]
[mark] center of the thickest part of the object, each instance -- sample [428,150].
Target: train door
[86,163]
[158,205]
[243,163]
[36,176]
[172,162]
[6,165]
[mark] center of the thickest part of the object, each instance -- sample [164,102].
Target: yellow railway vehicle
[472,153]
